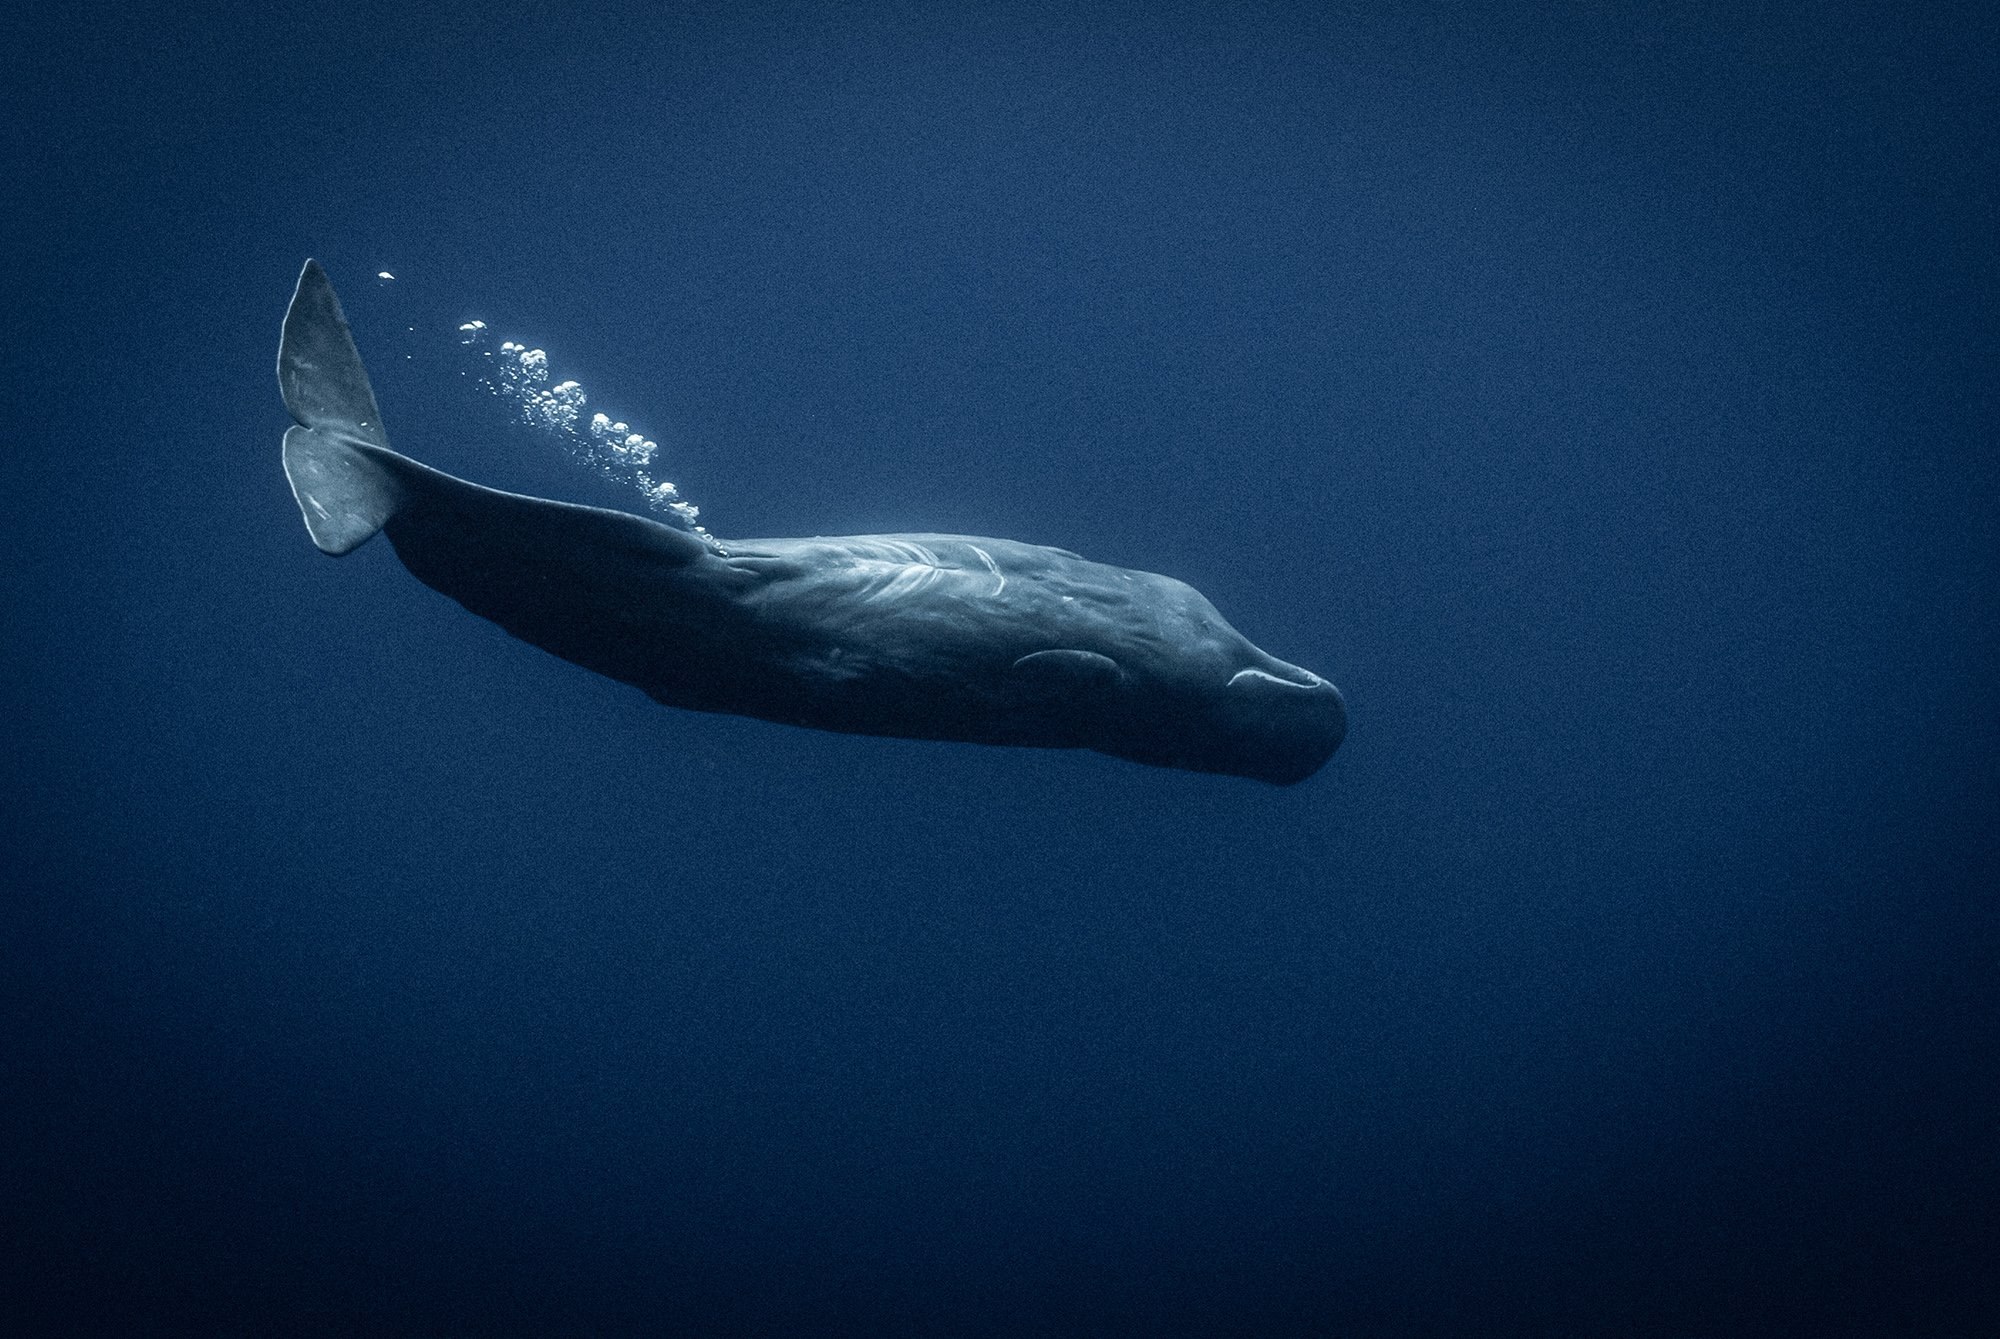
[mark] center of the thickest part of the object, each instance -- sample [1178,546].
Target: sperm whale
[920,636]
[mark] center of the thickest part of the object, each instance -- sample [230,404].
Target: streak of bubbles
[519,375]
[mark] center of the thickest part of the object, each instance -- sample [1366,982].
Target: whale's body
[949,637]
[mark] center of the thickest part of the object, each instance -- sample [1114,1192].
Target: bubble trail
[519,375]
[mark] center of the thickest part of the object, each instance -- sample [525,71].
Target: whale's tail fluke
[345,489]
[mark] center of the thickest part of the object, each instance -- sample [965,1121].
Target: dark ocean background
[1603,396]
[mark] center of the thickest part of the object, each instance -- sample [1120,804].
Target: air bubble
[520,376]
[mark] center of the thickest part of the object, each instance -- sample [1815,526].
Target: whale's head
[1192,692]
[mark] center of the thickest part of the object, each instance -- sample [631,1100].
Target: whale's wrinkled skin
[950,637]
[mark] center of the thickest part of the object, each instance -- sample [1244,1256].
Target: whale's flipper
[1071,671]
[345,491]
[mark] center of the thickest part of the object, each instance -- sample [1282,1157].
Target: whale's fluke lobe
[345,492]
[319,370]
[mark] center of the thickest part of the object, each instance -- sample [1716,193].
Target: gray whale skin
[951,637]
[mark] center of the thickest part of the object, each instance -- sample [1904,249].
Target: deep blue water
[1602,396]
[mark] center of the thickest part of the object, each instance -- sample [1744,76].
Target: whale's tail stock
[349,484]
[337,457]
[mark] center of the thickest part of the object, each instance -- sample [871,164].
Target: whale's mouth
[1293,678]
